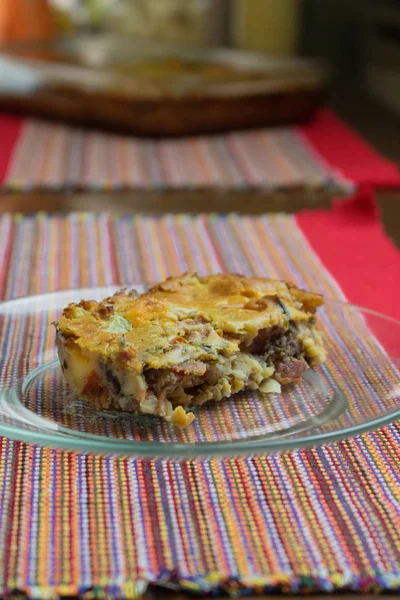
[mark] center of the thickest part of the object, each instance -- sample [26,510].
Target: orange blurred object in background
[25,20]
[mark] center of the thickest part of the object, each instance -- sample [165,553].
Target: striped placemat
[313,520]
[323,155]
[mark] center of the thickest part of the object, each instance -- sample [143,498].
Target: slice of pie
[186,341]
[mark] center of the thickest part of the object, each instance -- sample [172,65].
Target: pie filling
[275,356]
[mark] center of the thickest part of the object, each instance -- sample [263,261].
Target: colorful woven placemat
[320,519]
[322,155]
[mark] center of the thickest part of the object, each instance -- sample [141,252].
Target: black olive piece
[283,307]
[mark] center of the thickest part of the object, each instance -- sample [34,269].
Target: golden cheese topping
[183,318]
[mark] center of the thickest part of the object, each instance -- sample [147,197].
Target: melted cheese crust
[159,328]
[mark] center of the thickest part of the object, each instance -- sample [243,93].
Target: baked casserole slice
[186,341]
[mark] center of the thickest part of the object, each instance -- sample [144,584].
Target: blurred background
[181,68]
[358,39]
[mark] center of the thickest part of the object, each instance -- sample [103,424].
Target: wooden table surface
[244,202]
[376,124]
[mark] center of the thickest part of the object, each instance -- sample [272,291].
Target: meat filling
[276,346]
[286,354]
[188,375]
[263,339]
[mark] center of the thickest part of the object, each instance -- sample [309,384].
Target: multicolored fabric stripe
[321,519]
[323,154]
[56,156]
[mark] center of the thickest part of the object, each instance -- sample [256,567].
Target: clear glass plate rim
[190,450]
[338,410]
[186,450]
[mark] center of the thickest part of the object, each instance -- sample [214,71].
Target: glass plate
[356,390]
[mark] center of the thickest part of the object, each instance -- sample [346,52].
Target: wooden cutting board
[157,89]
